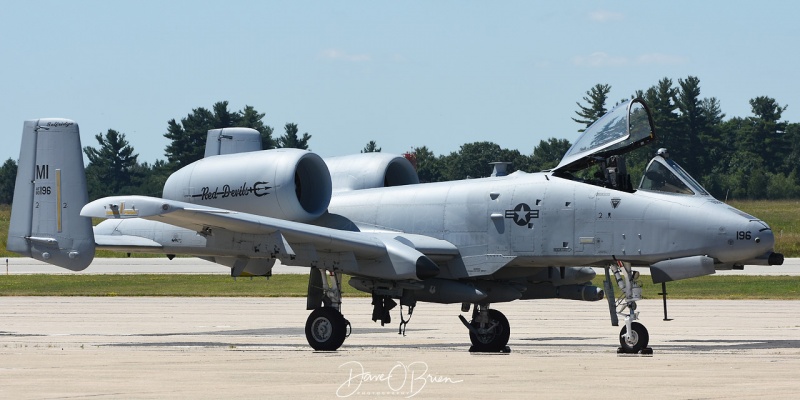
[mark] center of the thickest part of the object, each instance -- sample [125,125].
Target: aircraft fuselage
[543,220]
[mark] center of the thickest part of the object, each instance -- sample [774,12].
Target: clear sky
[402,73]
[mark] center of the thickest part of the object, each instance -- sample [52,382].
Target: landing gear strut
[326,327]
[633,337]
[489,330]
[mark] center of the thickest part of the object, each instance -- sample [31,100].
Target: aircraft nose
[755,239]
[746,238]
[764,240]
[761,234]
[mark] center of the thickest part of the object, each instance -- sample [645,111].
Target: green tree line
[754,157]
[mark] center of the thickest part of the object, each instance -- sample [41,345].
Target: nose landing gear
[633,337]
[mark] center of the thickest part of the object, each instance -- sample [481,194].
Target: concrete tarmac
[255,348]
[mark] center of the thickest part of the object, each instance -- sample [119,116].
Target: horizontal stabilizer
[43,240]
[122,242]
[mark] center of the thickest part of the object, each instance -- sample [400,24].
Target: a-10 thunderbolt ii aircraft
[474,242]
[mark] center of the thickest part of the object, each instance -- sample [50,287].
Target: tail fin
[232,140]
[49,193]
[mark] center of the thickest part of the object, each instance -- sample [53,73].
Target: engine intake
[370,170]
[290,184]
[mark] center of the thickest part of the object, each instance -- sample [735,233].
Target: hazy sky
[403,73]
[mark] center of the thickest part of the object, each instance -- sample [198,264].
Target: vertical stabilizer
[49,193]
[232,140]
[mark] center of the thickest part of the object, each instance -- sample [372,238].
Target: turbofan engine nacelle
[289,184]
[370,170]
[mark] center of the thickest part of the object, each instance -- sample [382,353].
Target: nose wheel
[636,341]
[633,337]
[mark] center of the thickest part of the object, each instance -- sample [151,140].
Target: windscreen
[665,175]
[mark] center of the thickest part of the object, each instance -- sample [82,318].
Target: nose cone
[762,235]
[765,243]
[748,238]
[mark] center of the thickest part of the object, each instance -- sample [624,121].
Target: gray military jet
[475,242]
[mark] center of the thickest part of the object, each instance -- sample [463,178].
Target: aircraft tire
[326,329]
[494,341]
[639,339]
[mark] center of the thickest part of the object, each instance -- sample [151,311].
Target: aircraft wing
[111,242]
[391,256]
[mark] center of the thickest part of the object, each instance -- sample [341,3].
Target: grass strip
[733,287]
[708,287]
[158,285]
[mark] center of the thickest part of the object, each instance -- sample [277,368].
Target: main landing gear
[489,329]
[633,337]
[326,327]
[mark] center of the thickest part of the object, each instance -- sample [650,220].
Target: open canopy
[626,127]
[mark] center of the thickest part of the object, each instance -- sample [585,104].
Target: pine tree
[693,124]
[250,118]
[596,105]
[188,138]
[111,167]
[768,132]
[549,153]
[430,168]
[371,147]
[661,99]
[290,139]
[8,179]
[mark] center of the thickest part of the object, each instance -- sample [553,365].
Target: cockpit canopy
[604,143]
[664,175]
[626,127]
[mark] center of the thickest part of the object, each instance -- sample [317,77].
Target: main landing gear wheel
[491,336]
[326,329]
[635,342]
